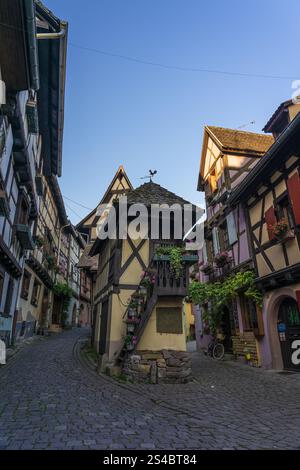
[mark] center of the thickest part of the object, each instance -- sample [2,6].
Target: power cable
[180,68]
[167,66]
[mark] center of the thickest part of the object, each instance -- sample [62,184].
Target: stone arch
[272,310]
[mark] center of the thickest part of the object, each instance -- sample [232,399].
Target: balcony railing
[166,281]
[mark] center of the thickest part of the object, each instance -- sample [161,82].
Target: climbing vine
[64,292]
[214,296]
[176,262]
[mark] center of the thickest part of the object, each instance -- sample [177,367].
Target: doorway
[288,328]
[227,329]
[74,312]
[103,328]
[56,311]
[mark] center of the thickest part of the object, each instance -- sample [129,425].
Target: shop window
[36,292]
[249,314]
[169,320]
[25,285]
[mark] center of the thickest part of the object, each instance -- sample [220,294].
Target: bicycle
[216,349]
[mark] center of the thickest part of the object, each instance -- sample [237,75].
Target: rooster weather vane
[152,173]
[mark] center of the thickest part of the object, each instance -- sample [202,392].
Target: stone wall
[166,366]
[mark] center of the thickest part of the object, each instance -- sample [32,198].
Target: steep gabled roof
[241,141]
[86,261]
[286,144]
[233,141]
[119,174]
[152,193]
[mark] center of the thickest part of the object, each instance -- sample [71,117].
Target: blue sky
[141,116]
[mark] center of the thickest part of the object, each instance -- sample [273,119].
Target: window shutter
[270,218]
[293,185]
[216,240]
[231,228]
[204,253]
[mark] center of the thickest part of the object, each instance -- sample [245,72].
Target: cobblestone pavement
[51,400]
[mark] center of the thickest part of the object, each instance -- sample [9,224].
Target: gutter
[265,161]
[32,44]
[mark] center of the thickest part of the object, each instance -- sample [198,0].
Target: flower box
[185,258]
[221,259]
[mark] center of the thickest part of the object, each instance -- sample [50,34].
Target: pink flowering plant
[221,259]
[148,279]
[279,229]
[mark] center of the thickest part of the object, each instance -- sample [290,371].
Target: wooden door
[44,310]
[56,311]
[289,333]
[103,327]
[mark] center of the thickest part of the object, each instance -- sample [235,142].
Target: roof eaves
[266,160]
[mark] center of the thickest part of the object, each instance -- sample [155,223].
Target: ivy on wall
[214,296]
[64,292]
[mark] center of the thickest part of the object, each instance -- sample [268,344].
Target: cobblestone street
[51,400]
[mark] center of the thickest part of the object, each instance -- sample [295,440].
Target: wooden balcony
[166,282]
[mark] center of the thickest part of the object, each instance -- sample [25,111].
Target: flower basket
[279,230]
[222,259]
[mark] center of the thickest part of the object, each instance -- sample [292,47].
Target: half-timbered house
[88,265]
[271,198]
[20,152]
[130,317]
[228,155]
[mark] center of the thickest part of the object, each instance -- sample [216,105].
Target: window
[216,240]
[209,250]
[36,292]
[223,235]
[23,212]
[25,285]
[169,320]
[284,211]
[213,181]
[249,314]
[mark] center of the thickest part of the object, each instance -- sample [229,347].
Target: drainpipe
[32,44]
[58,35]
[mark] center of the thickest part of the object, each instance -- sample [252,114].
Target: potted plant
[221,259]
[280,230]
[148,280]
[128,340]
[207,268]
[130,327]
[132,308]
